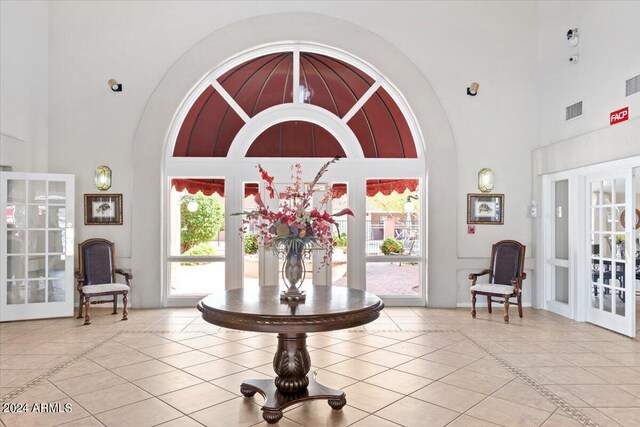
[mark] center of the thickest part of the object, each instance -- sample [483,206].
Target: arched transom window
[295,103]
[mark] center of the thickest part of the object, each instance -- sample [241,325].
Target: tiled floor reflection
[411,367]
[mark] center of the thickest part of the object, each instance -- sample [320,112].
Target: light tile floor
[411,367]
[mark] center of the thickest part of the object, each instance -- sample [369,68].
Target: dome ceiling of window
[260,83]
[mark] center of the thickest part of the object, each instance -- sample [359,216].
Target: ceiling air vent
[574,111]
[633,85]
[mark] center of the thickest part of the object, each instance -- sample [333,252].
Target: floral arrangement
[295,225]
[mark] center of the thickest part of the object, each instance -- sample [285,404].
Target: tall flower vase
[293,272]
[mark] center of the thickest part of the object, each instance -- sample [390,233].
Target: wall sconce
[485,180]
[408,205]
[115,86]
[103,178]
[473,89]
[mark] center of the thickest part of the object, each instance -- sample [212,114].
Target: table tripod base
[276,401]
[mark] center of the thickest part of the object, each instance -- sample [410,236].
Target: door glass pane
[562,219]
[56,241]
[16,216]
[618,191]
[392,216]
[606,299]
[56,265]
[56,290]
[36,291]
[37,191]
[620,303]
[15,267]
[37,216]
[36,266]
[595,217]
[57,191]
[16,191]
[596,292]
[562,284]
[621,216]
[606,192]
[610,219]
[618,279]
[619,248]
[339,260]
[596,193]
[37,241]
[393,278]
[57,217]
[15,292]
[16,241]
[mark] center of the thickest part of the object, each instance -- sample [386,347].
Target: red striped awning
[374,186]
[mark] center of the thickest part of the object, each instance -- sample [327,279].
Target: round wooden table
[327,308]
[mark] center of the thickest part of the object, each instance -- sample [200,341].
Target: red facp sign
[619,116]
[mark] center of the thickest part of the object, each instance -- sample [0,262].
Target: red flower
[345,211]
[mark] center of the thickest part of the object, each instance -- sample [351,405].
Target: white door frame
[9,312]
[579,232]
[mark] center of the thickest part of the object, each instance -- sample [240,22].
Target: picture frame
[485,208]
[103,209]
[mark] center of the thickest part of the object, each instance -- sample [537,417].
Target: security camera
[572,37]
[573,59]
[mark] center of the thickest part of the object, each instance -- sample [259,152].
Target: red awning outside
[208,186]
[374,186]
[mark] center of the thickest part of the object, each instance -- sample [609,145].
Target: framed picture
[103,209]
[485,209]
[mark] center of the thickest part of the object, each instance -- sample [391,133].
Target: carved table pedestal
[326,308]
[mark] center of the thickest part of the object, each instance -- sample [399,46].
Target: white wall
[446,44]
[24,84]
[609,51]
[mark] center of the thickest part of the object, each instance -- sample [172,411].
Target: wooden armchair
[506,274]
[96,277]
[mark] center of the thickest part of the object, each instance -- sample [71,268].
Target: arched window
[279,105]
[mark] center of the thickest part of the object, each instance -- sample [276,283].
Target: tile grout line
[18,391]
[482,400]
[555,399]
[78,403]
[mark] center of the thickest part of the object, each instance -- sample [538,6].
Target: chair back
[507,261]
[96,261]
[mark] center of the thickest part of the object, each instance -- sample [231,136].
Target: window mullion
[296,75]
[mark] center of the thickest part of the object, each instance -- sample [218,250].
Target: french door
[611,252]
[590,253]
[36,245]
